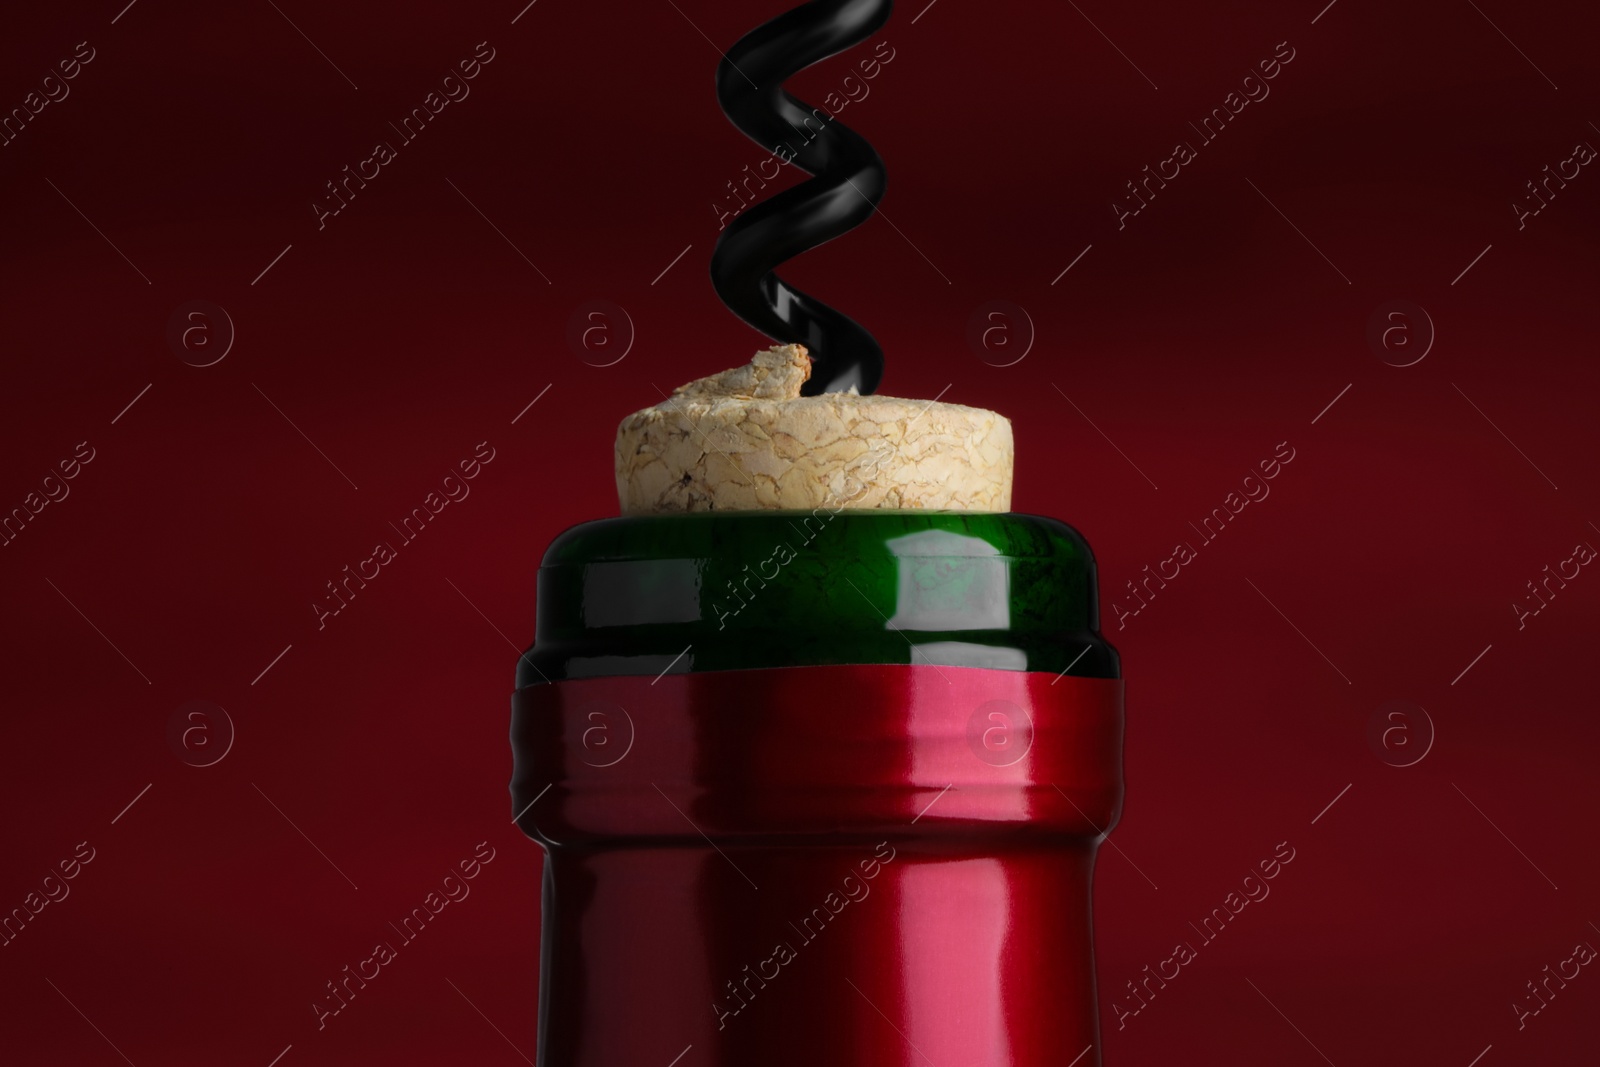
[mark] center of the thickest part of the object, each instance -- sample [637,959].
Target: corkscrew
[847,182]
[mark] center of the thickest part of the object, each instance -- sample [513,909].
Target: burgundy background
[407,331]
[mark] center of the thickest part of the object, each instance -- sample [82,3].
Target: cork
[746,440]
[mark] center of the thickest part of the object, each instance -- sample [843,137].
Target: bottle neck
[747,590]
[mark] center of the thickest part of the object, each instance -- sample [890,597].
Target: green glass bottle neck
[715,591]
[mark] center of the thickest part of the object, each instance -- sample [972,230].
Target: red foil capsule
[821,863]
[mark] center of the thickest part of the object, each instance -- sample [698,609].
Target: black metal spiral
[848,181]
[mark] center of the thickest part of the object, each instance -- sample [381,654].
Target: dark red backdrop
[184,559]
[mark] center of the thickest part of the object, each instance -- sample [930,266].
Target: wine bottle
[818,788]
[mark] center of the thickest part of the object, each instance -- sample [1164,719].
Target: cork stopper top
[746,440]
